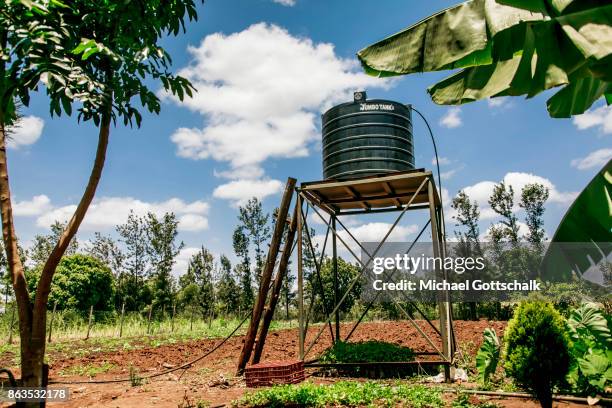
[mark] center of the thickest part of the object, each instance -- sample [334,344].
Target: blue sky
[265,71]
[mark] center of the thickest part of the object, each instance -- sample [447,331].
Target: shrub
[80,281]
[537,349]
[365,352]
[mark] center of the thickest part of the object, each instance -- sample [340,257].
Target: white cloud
[26,132]
[240,191]
[451,119]
[107,212]
[599,117]
[288,3]
[370,232]
[480,192]
[519,180]
[447,175]
[181,262]
[193,222]
[498,102]
[260,92]
[595,159]
[444,161]
[36,206]
[246,172]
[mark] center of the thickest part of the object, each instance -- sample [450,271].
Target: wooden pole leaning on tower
[266,276]
[276,288]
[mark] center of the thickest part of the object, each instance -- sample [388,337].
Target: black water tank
[367,137]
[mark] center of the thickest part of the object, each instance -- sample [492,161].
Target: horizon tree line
[143,254]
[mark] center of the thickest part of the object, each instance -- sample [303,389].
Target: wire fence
[66,325]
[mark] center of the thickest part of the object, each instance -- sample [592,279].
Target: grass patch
[365,352]
[69,333]
[464,400]
[344,393]
[88,370]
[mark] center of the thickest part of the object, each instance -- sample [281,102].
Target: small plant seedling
[135,379]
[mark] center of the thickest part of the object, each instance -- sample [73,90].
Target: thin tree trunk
[14,264]
[32,319]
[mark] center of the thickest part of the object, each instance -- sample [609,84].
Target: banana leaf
[584,235]
[507,47]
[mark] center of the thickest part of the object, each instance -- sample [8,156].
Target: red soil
[212,378]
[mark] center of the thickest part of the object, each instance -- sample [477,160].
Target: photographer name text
[435,285]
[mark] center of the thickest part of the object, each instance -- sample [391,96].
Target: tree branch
[44,284]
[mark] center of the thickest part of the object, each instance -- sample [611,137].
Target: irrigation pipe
[568,398]
[184,366]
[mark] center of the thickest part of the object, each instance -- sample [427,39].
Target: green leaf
[475,83]
[431,44]
[531,5]
[577,97]
[594,364]
[487,357]
[589,320]
[89,52]
[66,104]
[456,37]
[588,220]
[559,42]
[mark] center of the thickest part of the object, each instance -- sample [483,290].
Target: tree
[102,55]
[502,202]
[43,244]
[507,47]
[467,217]
[228,292]
[243,269]
[106,249]
[198,282]
[80,281]
[346,273]
[162,250]
[533,198]
[130,283]
[254,223]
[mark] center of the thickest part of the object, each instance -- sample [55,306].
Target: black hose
[186,365]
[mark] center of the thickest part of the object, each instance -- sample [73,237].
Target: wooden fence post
[149,323]
[191,319]
[10,340]
[121,319]
[51,322]
[172,318]
[90,321]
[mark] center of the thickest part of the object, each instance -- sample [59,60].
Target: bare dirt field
[212,380]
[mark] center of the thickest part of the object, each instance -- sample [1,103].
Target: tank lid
[360,96]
